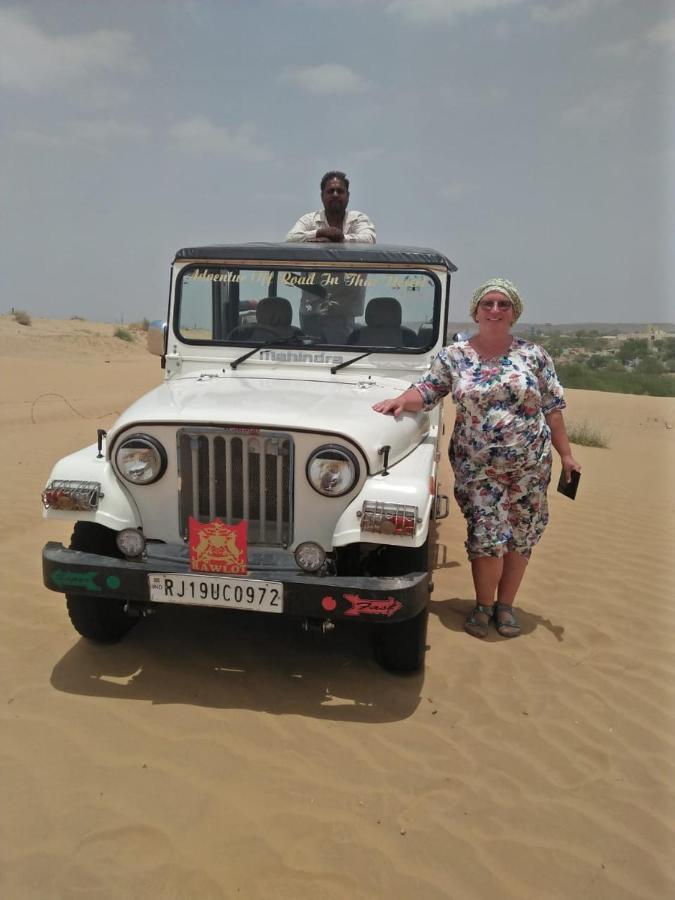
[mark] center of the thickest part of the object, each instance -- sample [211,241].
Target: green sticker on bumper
[86,580]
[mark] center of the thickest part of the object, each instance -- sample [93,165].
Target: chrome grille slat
[194,457]
[262,492]
[228,478]
[245,477]
[280,503]
[232,475]
[212,481]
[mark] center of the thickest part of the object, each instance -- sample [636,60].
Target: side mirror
[156,339]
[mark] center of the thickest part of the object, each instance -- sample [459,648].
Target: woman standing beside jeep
[509,411]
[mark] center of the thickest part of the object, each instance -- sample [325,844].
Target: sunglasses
[499,304]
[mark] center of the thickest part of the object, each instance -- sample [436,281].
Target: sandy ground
[193,761]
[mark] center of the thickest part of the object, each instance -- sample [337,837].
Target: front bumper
[350,598]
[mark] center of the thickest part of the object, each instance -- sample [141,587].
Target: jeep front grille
[235,475]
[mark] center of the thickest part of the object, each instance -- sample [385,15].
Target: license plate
[211,590]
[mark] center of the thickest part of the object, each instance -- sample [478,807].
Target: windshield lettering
[231,277]
[295,279]
[283,306]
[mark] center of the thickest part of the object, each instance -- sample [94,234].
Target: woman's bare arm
[561,442]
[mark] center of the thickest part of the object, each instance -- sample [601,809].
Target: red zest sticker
[217,547]
[371,607]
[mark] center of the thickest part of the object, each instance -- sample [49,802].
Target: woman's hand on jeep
[408,401]
[389,407]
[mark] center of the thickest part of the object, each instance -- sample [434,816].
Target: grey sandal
[505,621]
[478,622]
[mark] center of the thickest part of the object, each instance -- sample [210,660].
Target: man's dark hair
[330,175]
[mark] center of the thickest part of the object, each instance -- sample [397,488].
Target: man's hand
[331,233]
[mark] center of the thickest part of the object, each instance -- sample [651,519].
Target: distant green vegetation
[586,435]
[580,375]
[587,340]
[123,334]
[634,366]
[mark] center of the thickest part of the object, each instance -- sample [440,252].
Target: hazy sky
[533,139]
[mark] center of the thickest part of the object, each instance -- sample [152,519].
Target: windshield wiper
[348,362]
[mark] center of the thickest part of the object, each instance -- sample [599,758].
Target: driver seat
[273,320]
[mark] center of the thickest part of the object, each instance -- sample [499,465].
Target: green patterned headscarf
[504,287]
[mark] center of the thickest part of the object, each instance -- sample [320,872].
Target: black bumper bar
[309,596]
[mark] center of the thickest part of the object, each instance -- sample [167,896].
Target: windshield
[382,310]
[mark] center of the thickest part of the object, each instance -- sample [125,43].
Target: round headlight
[140,459]
[332,470]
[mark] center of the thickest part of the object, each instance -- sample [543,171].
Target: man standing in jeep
[329,313]
[333,222]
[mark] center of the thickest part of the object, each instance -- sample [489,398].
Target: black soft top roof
[320,252]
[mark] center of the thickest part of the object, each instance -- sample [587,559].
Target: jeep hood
[332,406]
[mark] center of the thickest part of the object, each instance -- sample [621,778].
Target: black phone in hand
[569,488]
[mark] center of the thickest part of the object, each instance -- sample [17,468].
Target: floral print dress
[500,450]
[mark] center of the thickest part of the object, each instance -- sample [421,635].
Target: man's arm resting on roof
[304,229]
[361,229]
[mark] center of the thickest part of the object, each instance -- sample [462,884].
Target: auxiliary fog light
[388,518]
[310,556]
[130,542]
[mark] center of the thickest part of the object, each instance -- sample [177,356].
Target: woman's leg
[512,574]
[485,515]
[498,575]
[486,519]
[514,565]
[487,574]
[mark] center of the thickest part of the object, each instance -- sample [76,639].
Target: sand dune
[203,758]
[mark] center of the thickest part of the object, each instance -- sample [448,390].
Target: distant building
[651,334]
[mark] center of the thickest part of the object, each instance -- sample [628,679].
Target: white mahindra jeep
[257,476]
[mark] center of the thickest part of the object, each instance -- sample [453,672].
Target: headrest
[274,311]
[383,311]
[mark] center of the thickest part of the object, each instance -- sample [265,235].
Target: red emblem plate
[372,606]
[217,547]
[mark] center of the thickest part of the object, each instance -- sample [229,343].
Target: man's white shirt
[357,227]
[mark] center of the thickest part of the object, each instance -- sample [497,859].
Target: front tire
[99,619]
[402,646]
